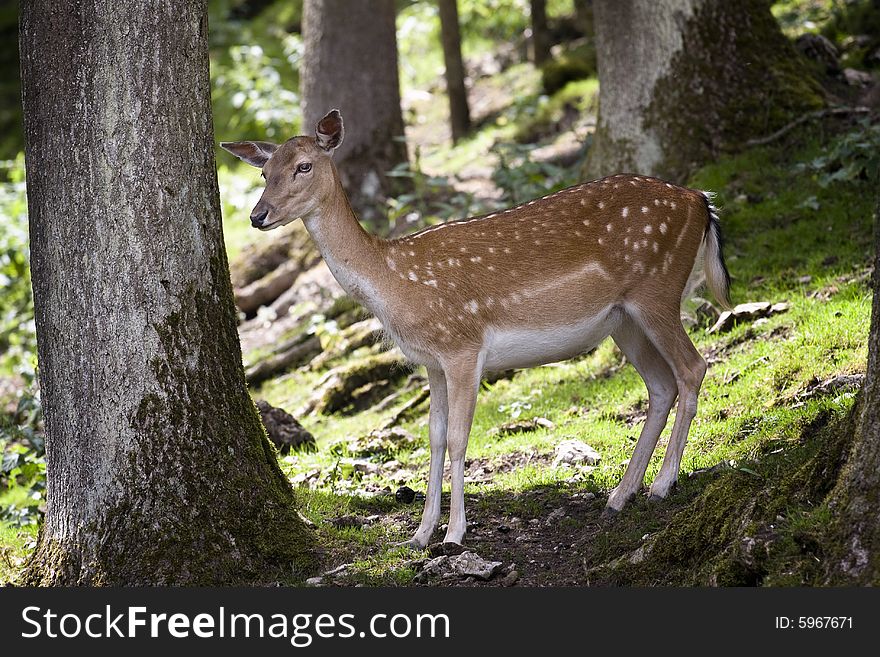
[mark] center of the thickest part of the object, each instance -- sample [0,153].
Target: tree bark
[158,468]
[855,500]
[459,113]
[350,64]
[683,80]
[540,33]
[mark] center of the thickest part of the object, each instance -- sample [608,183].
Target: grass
[16,544]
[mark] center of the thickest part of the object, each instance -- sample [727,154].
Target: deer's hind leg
[666,333]
[662,391]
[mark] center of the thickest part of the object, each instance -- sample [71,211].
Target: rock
[463,564]
[283,429]
[821,50]
[575,452]
[436,566]
[315,581]
[471,564]
[510,578]
[856,78]
[522,426]
[405,494]
[746,312]
[556,515]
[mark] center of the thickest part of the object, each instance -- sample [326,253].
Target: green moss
[339,387]
[735,78]
[758,522]
[557,73]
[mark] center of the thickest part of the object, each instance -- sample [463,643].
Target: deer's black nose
[258,217]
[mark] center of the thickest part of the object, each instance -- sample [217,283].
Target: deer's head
[299,173]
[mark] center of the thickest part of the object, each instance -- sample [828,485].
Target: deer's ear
[329,131]
[255,153]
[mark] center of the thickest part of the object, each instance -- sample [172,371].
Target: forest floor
[768,440]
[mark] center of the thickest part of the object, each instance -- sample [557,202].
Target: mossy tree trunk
[855,501]
[158,469]
[350,63]
[683,80]
[450,35]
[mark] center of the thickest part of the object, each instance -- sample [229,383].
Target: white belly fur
[508,348]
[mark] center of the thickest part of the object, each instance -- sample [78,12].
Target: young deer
[541,282]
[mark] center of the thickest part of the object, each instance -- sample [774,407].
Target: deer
[538,283]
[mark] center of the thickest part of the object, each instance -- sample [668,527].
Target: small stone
[510,578]
[315,581]
[436,566]
[405,494]
[638,556]
[283,429]
[575,452]
[743,312]
[556,515]
[504,529]
[471,564]
[856,78]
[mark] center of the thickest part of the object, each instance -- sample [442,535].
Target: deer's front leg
[437,422]
[462,382]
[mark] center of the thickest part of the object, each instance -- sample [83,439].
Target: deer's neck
[351,253]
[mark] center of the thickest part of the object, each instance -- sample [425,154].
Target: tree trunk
[158,469]
[683,80]
[350,64]
[855,500]
[540,33]
[459,113]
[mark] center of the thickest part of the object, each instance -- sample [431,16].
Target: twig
[784,130]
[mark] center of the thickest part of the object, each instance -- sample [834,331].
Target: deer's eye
[304,167]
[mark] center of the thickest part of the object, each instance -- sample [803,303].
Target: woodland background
[759,499]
